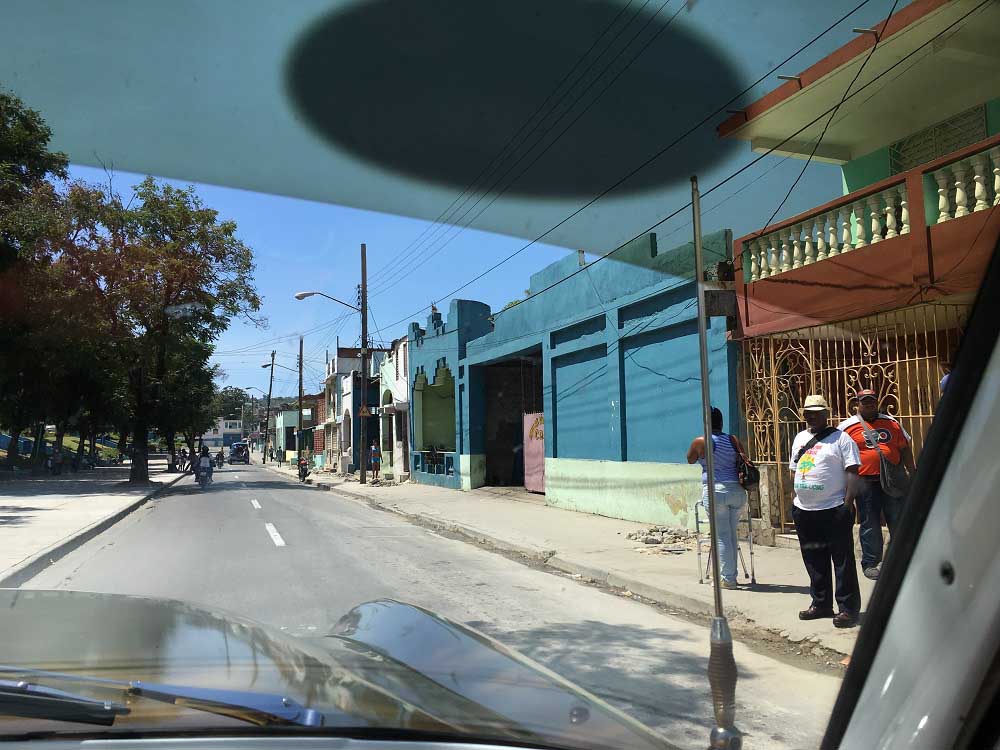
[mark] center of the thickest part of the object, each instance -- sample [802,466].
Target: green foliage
[229,401]
[109,307]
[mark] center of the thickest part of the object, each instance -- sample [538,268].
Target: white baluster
[904,211]
[890,213]
[796,247]
[808,252]
[979,170]
[786,252]
[995,158]
[762,249]
[859,217]
[873,209]
[773,263]
[845,223]
[961,197]
[754,264]
[834,248]
[944,207]
[821,237]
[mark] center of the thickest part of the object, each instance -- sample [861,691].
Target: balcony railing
[967,181]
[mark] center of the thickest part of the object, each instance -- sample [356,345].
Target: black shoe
[845,620]
[815,613]
[871,573]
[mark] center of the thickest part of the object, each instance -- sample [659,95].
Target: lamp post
[364,348]
[253,404]
[267,415]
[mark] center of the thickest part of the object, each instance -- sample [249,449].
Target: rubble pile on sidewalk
[667,539]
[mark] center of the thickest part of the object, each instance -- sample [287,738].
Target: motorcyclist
[205,462]
[220,458]
[303,468]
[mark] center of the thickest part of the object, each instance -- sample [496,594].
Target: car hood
[386,665]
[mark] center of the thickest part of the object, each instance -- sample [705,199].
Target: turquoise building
[603,358]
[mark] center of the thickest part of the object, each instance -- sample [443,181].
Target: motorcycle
[303,469]
[219,460]
[202,476]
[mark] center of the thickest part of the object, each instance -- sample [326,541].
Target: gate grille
[897,354]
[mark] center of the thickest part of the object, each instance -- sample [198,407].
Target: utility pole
[298,439]
[722,674]
[267,414]
[364,363]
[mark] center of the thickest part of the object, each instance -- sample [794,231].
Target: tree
[160,252]
[187,393]
[229,401]
[28,210]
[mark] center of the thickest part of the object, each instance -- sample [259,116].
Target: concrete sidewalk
[43,518]
[595,547]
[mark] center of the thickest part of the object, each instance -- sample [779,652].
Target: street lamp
[272,364]
[363,411]
[253,402]
[275,364]
[302,295]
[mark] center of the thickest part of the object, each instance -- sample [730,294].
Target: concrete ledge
[28,569]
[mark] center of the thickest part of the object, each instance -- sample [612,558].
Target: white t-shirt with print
[820,477]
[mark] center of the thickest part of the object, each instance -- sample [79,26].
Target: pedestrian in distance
[876,433]
[824,464]
[730,497]
[375,456]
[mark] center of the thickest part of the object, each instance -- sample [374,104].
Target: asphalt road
[298,558]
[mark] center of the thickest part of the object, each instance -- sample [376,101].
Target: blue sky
[300,245]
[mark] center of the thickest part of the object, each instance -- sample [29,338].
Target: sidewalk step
[788,541]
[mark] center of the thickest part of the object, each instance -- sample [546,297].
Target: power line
[710,190]
[819,141]
[495,161]
[682,136]
[561,133]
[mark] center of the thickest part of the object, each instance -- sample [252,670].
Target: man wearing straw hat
[825,462]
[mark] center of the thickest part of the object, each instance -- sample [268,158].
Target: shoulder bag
[812,441]
[892,477]
[748,474]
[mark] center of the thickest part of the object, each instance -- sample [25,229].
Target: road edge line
[23,572]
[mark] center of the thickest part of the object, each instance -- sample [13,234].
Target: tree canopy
[110,304]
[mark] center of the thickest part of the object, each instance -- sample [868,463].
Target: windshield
[385,358]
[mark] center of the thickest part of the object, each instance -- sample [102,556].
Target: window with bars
[938,140]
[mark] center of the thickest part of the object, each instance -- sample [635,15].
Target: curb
[551,559]
[468,533]
[25,571]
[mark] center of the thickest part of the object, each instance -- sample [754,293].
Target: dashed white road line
[275,536]
[255,504]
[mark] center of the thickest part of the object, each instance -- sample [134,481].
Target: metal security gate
[901,355]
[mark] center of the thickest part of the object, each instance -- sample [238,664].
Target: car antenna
[722,673]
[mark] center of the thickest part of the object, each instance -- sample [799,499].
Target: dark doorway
[513,389]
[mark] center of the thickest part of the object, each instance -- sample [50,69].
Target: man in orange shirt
[873,502]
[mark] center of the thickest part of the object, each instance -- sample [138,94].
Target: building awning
[926,47]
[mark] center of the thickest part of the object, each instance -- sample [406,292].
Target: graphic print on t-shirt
[820,473]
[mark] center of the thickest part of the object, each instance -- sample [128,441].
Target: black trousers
[826,537]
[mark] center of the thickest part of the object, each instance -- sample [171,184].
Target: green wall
[865,170]
[657,493]
[438,413]
[993,117]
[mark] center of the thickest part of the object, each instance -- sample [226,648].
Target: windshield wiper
[257,708]
[20,698]
[262,709]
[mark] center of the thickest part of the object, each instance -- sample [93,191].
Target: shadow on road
[647,672]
